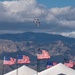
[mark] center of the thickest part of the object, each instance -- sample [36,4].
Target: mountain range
[59,47]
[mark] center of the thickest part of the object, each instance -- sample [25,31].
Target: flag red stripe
[12,61]
[25,59]
[44,55]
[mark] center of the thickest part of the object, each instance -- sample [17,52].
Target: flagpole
[38,60]
[3,70]
[38,68]
[17,65]
[3,66]
[17,70]
[38,65]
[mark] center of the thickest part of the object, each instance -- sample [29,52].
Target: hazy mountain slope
[37,37]
[59,47]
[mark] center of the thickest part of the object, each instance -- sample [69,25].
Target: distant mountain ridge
[59,47]
[37,37]
[30,41]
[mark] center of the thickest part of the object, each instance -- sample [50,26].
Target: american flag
[49,65]
[70,64]
[9,61]
[55,63]
[22,59]
[43,55]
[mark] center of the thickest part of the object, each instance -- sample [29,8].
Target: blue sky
[54,3]
[57,3]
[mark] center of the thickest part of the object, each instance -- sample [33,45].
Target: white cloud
[28,9]
[62,16]
[68,34]
[10,31]
[21,10]
[67,23]
[54,20]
